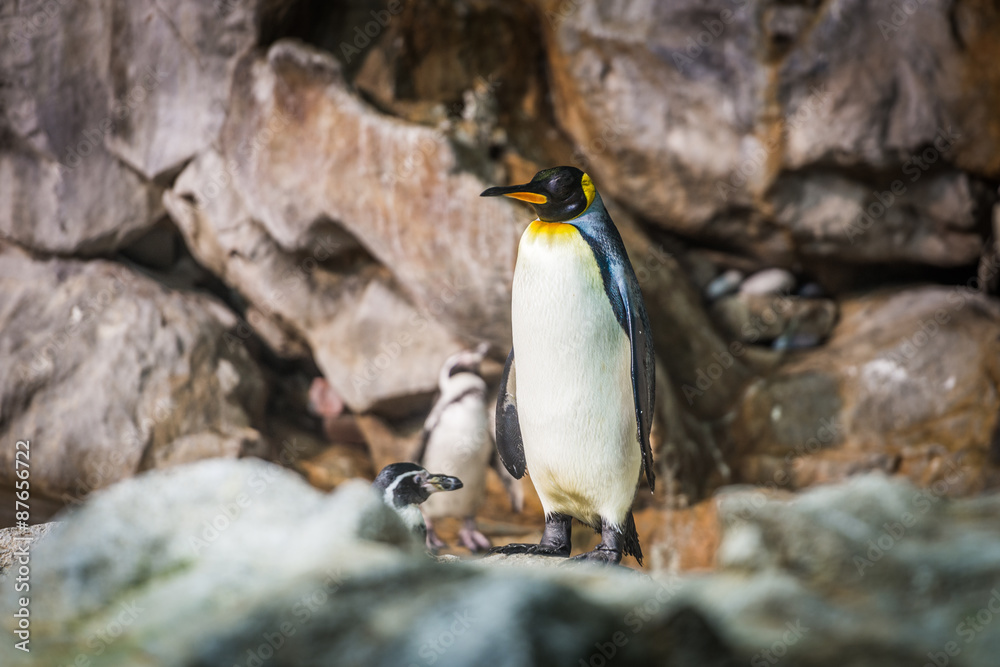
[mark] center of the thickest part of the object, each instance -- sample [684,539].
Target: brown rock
[907,383]
[409,203]
[108,373]
[372,345]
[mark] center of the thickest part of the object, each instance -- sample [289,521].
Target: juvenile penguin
[576,405]
[405,485]
[456,439]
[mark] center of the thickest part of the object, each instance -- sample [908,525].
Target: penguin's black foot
[534,549]
[555,539]
[601,554]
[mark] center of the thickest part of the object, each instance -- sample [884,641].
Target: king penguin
[576,397]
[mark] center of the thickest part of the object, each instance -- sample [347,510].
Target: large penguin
[576,398]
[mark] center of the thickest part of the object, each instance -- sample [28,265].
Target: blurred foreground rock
[224,562]
[872,572]
[107,372]
[234,561]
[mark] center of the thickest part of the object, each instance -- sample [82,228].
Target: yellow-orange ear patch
[588,189]
[529,197]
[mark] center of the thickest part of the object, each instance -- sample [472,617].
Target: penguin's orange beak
[528,192]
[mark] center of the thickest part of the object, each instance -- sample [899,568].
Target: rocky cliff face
[206,206]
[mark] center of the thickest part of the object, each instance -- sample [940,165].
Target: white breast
[460,445]
[573,383]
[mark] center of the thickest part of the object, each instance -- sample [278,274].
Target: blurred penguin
[458,440]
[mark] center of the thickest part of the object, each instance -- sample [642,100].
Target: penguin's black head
[469,361]
[409,484]
[557,194]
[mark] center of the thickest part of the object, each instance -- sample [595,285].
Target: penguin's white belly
[460,446]
[573,382]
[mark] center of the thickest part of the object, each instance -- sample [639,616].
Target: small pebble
[769,281]
[725,283]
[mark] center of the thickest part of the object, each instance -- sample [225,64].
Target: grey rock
[871,572]
[14,540]
[103,100]
[657,117]
[219,561]
[107,373]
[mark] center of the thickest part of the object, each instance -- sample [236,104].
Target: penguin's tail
[630,539]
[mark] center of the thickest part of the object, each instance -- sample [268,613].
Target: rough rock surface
[908,383]
[108,373]
[14,540]
[102,99]
[411,204]
[217,561]
[368,339]
[746,124]
[871,572]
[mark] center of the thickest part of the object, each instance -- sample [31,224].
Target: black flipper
[509,444]
[622,289]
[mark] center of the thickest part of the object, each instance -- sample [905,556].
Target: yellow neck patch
[550,231]
[588,189]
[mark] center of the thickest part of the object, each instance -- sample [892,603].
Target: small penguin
[456,439]
[576,407]
[405,485]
